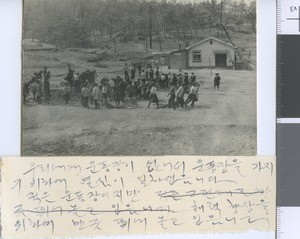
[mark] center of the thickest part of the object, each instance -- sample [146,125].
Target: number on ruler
[295,9]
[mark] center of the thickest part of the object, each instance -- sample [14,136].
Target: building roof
[207,39]
[161,53]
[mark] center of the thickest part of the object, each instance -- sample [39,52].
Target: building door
[221,60]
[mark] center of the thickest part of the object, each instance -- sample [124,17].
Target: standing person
[186,79]
[171,101]
[25,91]
[118,93]
[180,96]
[91,87]
[132,71]
[151,73]
[153,96]
[144,90]
[166,81]
[108,90]
[40,75]
[175,80]
[77,83]
[180,79]
[104,91]
[139,69]
[130,90]
[143,75]
[112,85]
[34,88]
[192,79]
[96,96]
[85,93]
[138,90]
[217,81]
[45,71]
[157,73]
[69,68]
[126,75]
[122,90]
[39,93]
[70,78]
[192,95]
[163,81]
[47,87]
[169,78]
[66,92]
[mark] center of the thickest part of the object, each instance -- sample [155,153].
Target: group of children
[40,87]
[141,86]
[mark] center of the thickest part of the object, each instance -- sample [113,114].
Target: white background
[10,88]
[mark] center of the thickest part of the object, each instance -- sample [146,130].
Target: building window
[197,56]
[211,42]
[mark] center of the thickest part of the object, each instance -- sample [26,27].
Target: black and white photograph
[139,77]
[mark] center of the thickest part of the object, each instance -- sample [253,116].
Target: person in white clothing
[96,94]
[193,95]
[153,96]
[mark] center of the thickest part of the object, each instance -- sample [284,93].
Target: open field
[221,123]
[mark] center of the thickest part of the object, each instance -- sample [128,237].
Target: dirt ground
[221,123]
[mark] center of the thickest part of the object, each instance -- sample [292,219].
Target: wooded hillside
[91,23]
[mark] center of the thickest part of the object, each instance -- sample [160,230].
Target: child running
[180,96]
[192,97]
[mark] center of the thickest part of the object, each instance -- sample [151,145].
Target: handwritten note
[136,195]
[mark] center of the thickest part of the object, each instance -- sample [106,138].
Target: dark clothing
[118,95]
[217,82]
[126,75]
[77,85]
[97,106]
[46,91]
[104,98]
[86,102]
[151,73]
[171,102]
[131,91]
[191,98]
[25,91]
[122,90]
[179,101]
[69,78]
[192,79]
[66,97]
[132,74]
[157,74]
[174,80]
[153,98]
[186,80]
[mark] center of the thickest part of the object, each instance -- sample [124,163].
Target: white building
[210,52]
